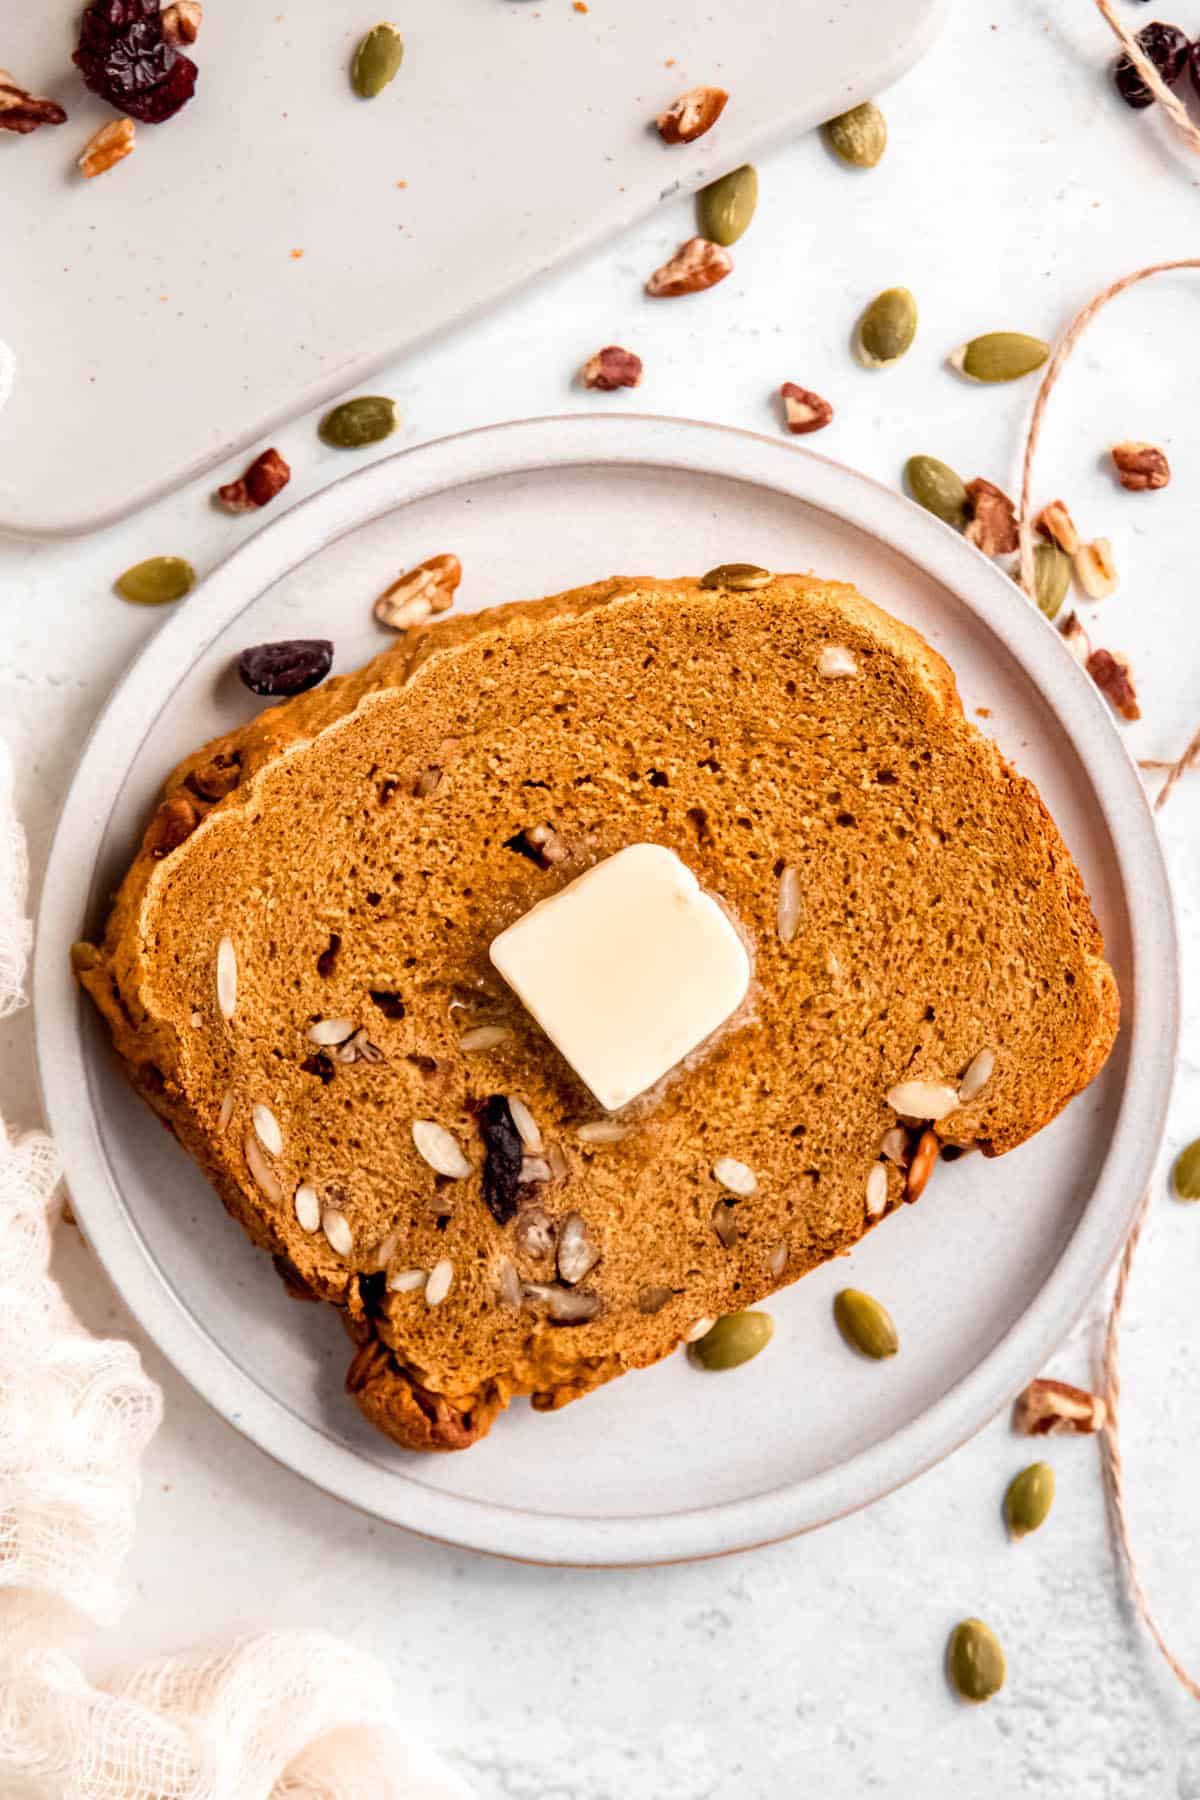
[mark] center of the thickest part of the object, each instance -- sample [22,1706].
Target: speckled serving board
[280,239]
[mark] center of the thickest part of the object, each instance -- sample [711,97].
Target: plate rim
[1153,1017]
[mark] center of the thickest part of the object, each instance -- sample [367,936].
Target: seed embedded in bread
[264,1175]
[227,977]
[439,1149]
[923,1099]
[735,1176]
[484,1037]
[330,1032]
[226,1111]
[978,1073]
[338,1233]
[526,1124]
[438,1286]
[407,1281]
[698,1330]
[877,1190]
[266,1127]
[577,1256]
[788,905]
[603,1131]
[307,1206]
[836,662]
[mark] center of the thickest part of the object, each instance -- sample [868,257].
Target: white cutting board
[158,316]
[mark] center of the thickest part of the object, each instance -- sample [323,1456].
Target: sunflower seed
[331,1031]
[735,1176]
[226,1112]
[724,1223]
[308,1207]
[483,1037]
[266,1126]
[835,661]
[787,907]
[336,1227]
[877,1190]
[509,1284]
[653,1299]
[698,1330]
[526,1125]
[568,1307]
[438,1285]
[441,1151]
[777,1261]
[556,1157]
[264,1175]
[895,1145]
[407,1281]
[978,1074]
[535,1233]
[386,1249]
[576,1255]
[227,978]
[359,1048]
[922,1099]
[533,1169]
[602,1131]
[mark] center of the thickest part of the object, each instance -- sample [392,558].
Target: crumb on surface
[296,255]
[983,712]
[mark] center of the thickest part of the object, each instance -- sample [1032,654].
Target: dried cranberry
[124,57]
[1194,65]
[502,1161]
[289,667]
[1167,48]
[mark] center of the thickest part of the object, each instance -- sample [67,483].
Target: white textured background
[1014,186]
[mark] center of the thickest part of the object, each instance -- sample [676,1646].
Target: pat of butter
[626,970]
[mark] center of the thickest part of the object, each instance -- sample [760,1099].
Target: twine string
[1174,108]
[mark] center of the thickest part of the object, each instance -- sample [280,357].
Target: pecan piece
[695,266]
[267,476]
[611,368]
[24,112]
[993,524]
[1055,522]
[1111,673]
[110,145]
[213,780]
[419,593]
[175,820]
[181,22]
[803,411]
[1048,1408]
[1077,640]
[691,115]
[1139,466]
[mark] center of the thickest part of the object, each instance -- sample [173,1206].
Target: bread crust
[434,693]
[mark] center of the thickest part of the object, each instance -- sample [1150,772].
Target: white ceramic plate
[279,240]
[984,1277]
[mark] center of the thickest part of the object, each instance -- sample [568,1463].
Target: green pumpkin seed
[975,1661]
[938,489]
[740,578]
[865,1324]
[1000,356]
[1029,1499]
[858,136]
[887,328]
[725,208]
[1051,577]
[156,581]
[1186,1173]
[376,61]
[732,1341]
[355,423]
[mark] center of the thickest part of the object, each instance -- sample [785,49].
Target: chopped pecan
[267,476]
[804,411]
[181,22]
[110,145]
[419,593]
[993,523]
[612,368]
[1048,1408]
[1056,523]
[175,820]
[214,779]
[1076,639]
[691,115]
[1139,466]
[695,266]
[1111,673]
[24,112]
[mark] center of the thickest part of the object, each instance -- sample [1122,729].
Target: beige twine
[1174,108]
[1110,1374]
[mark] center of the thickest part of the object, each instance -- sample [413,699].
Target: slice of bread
[358,848]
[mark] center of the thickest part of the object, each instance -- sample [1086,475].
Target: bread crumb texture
[361,845]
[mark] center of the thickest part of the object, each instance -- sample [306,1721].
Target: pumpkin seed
[376,61]
[1051,577]
[156,581]
[1029,1499]
[936,487]
[733,1340]
[739,578]
[858,136]
[865,1324]
[355,423]
[725,208]
[999,356]
[887,328]
[975,1661]
[1186,1173]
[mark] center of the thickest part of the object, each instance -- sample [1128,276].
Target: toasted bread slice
[358,848]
